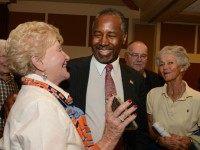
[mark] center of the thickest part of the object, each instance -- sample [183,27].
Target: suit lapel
[83,76]
[127,81]
[129,85]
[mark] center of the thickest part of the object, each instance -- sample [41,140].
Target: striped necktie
[109,83]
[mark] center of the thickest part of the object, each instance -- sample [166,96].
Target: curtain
[4,20]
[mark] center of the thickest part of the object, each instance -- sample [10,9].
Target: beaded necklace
[77,115]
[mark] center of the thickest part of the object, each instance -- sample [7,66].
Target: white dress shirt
[95,96]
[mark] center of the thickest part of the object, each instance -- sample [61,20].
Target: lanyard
[77,115]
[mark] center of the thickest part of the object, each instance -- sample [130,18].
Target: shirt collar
[185,95]
[39,78]
[100,67]
[144,74]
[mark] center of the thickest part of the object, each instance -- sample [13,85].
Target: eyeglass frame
[136,55]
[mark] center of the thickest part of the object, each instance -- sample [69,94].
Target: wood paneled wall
[192,76]
[15,18]
[72,28]
[74,22]
[73,19]
[146,33]
[198,43]
[178,34]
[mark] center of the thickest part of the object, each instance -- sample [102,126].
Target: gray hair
[178,52]
[114,12]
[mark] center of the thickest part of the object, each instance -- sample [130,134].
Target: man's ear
[37,63]
[126,56]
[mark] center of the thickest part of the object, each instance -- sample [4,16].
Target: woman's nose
[165,66]
[66,56]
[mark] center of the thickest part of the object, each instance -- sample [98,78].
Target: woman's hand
[116,122]
[175,142]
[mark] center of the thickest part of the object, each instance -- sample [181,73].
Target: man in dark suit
[136,57]
[87,81]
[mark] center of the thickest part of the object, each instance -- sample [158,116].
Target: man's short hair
[114,12]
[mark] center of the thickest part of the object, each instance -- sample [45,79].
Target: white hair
[178,52]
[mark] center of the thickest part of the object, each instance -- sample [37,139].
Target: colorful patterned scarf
[77,115]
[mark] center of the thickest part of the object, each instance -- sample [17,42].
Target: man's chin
[104,59]
[137,68]
[105,52]
[67,75]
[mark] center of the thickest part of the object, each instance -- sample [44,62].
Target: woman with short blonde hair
[27,41]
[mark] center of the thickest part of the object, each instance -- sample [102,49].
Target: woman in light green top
[175,106]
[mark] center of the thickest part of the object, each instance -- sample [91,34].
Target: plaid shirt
[6,89]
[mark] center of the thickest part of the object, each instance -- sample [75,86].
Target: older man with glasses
[136,57]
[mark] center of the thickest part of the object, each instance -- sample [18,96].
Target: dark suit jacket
[133,85]
[153,80]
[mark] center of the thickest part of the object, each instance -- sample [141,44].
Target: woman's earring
[44,76]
